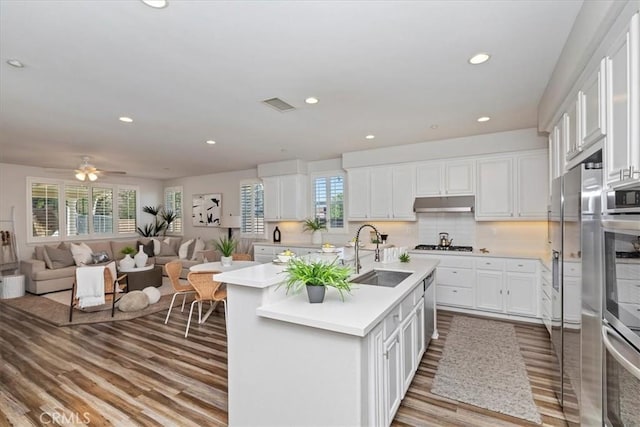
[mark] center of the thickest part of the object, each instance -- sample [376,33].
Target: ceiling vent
[279,104]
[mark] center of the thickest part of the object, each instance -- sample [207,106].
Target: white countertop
[498,254]
[360,312]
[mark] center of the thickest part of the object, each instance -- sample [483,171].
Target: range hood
[444,204]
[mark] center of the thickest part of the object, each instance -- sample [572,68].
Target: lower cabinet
[267,253]
[392,377]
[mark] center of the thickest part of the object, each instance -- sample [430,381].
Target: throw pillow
[183,252]
[58,257]
[197,248]
[156,246]
[81,253]
[100,257]
[133,301]
[148,248]
[152,293]
[167,250]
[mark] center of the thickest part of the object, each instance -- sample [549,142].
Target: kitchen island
[336,363]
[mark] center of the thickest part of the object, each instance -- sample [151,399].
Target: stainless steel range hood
[444,204]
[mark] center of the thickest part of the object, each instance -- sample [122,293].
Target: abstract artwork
[207,209]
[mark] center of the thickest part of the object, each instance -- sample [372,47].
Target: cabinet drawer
[455,277]
[454,261]
[263,259]
[490,264]
[522,265]
[391,322]
[572,269]
[406,306]
[264,250]
[454,295]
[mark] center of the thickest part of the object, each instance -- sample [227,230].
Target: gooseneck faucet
[357,245]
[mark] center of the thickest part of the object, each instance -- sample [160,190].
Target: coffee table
[140,278]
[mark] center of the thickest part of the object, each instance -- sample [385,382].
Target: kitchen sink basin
[388,278]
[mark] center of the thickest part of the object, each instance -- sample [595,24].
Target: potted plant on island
[127,262]
[315,226]
[316,276]
[226,246]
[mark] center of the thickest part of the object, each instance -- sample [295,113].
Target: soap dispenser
[276,235]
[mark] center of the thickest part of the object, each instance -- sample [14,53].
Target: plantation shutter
[102,202]
[44,209]
[252,209]
[76,199]
[127,211]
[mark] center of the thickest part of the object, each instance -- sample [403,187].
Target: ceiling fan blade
[113,172]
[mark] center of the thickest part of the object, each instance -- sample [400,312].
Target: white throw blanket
[90,286]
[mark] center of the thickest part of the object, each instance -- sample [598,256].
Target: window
[127,203]
[173,202]
[68,209]
[328,200]
[252,209]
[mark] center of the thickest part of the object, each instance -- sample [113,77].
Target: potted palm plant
[226,246]
[315,226]
[316,276]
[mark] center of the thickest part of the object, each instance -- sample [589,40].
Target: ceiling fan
[87,171]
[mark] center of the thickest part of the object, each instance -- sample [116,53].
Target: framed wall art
[207,209]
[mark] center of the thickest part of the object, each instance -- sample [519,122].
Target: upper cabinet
[572,130]
[382,193]
[285,197]
[532,189]
[622,147]
[593,111]
[495,188]
[445,178]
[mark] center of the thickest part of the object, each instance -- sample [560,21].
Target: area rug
[481,365]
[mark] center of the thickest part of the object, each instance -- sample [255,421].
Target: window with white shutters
[44,209]
[76,201]
[328,200]
[102,204]
[252,209]
[127,213]
[173,202]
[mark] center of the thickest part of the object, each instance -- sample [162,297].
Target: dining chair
[173,270]
[111,282]
[241,257]
[207,290]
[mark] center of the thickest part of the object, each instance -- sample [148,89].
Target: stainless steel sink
[388,278]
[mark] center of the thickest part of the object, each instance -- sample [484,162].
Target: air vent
[279,104]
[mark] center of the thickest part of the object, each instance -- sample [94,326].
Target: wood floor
[142,372]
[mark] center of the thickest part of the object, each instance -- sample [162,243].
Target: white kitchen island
[331,364]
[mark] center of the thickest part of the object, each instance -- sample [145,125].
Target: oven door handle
[621,225]
[606,330]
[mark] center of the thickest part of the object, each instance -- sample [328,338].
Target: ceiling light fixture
[484,119]
[156,4]
[479,58]
[86,170]
[311,100]
[211,142]
[15,63]
[125,119]
[370,137]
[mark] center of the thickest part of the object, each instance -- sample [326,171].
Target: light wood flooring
[142,372]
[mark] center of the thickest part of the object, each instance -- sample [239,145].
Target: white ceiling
[198,70]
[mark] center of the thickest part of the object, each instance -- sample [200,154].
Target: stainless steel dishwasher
[429,308]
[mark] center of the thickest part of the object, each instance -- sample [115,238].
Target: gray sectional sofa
[40,279]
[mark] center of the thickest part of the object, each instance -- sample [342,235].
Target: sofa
[44,276]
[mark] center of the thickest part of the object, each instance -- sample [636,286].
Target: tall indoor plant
[226,246]
[316,276]
[315,226]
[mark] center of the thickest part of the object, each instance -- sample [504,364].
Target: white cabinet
[622,150]
[592,97]
[285,197]
[408,339]
[489,286]
[495,188]
[556,149]
[572,130]
[392,377]
[382,193]
[521,294]
[264,254]
[532,191]
[445,178]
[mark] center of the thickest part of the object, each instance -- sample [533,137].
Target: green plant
[301,272]
[313,224]
[157,226]
[225,245]
[404,257]
[127,250]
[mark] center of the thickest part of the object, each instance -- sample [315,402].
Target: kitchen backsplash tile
[460,226]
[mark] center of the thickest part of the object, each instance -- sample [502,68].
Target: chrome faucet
[357,245]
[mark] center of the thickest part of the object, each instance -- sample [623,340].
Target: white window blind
[76,200]
[102,202]
[328,201]
[252,209]
[127,211]
[44,209]
[173,202]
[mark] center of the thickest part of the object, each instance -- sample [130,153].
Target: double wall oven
[621,311]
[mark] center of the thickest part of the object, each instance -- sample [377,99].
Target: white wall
[13,193]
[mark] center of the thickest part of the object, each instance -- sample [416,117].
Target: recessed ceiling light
[479,58]
[211,142]
[370,137]
[311,100]
[15,63]
[157,4]
[484,119]
[126,119]
[434,126]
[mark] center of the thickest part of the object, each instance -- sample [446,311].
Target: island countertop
[358,314]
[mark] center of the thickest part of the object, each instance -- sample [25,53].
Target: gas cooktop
[444,248]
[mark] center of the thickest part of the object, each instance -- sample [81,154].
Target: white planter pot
[316,237]
[127,263]
[141,258]
[226,261]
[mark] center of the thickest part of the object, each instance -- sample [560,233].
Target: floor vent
[279,104]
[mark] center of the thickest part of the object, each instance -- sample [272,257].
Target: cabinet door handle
[396,317]
[454,272]
[487,263]
[508,292]
[500,291]
[455,291]
[520,265]
[386,354]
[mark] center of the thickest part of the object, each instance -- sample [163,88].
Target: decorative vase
[141,258]
[127,263]
[226,261]
[315,294]
[316,237]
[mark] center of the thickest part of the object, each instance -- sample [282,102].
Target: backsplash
[460,226]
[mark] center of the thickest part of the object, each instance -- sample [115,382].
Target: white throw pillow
[199,247]
[156,246]
[183,252]
[152,293]
[81,253]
